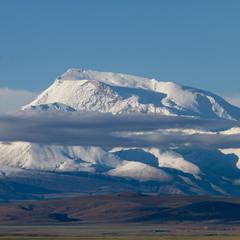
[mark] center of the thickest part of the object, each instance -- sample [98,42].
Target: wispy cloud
[107,130]
[235,100]
[12,99]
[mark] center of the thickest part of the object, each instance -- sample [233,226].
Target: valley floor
[127,238]
[122,232]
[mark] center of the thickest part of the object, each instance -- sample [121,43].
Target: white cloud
[13,99]
[235,100]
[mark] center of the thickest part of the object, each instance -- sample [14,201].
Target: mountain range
[35,171]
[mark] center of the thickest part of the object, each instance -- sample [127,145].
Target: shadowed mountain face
[38,171]
[122,208]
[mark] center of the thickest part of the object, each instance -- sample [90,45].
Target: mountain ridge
[123,207]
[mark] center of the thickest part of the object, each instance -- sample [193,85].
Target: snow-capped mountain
[188,171]
[121,93]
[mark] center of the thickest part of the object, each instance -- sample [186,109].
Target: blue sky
[195,43]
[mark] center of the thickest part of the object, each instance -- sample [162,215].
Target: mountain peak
[118,93]
[111,78]
[119,79]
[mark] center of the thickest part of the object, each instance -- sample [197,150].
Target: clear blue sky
[195,43]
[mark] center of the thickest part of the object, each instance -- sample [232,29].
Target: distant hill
[122,208]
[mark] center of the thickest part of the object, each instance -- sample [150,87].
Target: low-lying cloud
[107,130]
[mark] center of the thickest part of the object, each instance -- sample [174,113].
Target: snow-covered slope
[119,93]
[139,171]
[53,107]
[176,171]
[56,158]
